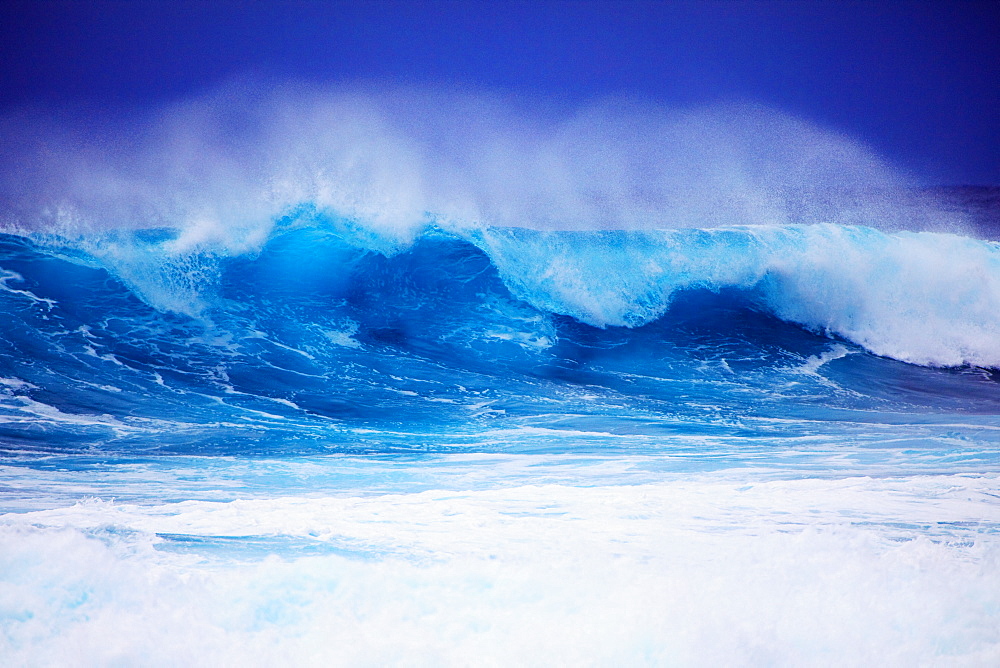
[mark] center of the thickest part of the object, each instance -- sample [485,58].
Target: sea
[623,388]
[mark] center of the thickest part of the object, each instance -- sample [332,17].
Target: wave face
[317,336]
[414,379]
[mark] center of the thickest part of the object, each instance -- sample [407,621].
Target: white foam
[926,298]
[814,362]
[17,384]
[343,337]
[698,571]
[6,276]
[921,297]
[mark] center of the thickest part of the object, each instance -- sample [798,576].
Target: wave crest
[921,297]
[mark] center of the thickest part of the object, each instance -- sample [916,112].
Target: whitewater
[356,376]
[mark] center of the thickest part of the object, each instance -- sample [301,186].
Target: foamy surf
[699,571]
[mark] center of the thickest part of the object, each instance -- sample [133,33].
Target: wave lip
[926,298]
[920,297]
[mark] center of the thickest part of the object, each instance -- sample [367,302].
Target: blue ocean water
[318,344]
[327,441]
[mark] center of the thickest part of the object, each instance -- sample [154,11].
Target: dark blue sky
[919,81]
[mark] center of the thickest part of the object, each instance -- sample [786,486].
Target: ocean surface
[329,442]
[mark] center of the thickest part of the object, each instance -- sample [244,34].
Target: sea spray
[223,167]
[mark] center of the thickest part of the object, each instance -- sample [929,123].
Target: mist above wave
[224,166]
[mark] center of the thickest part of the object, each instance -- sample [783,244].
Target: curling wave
[117,336]
[926,298]
[301,267]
